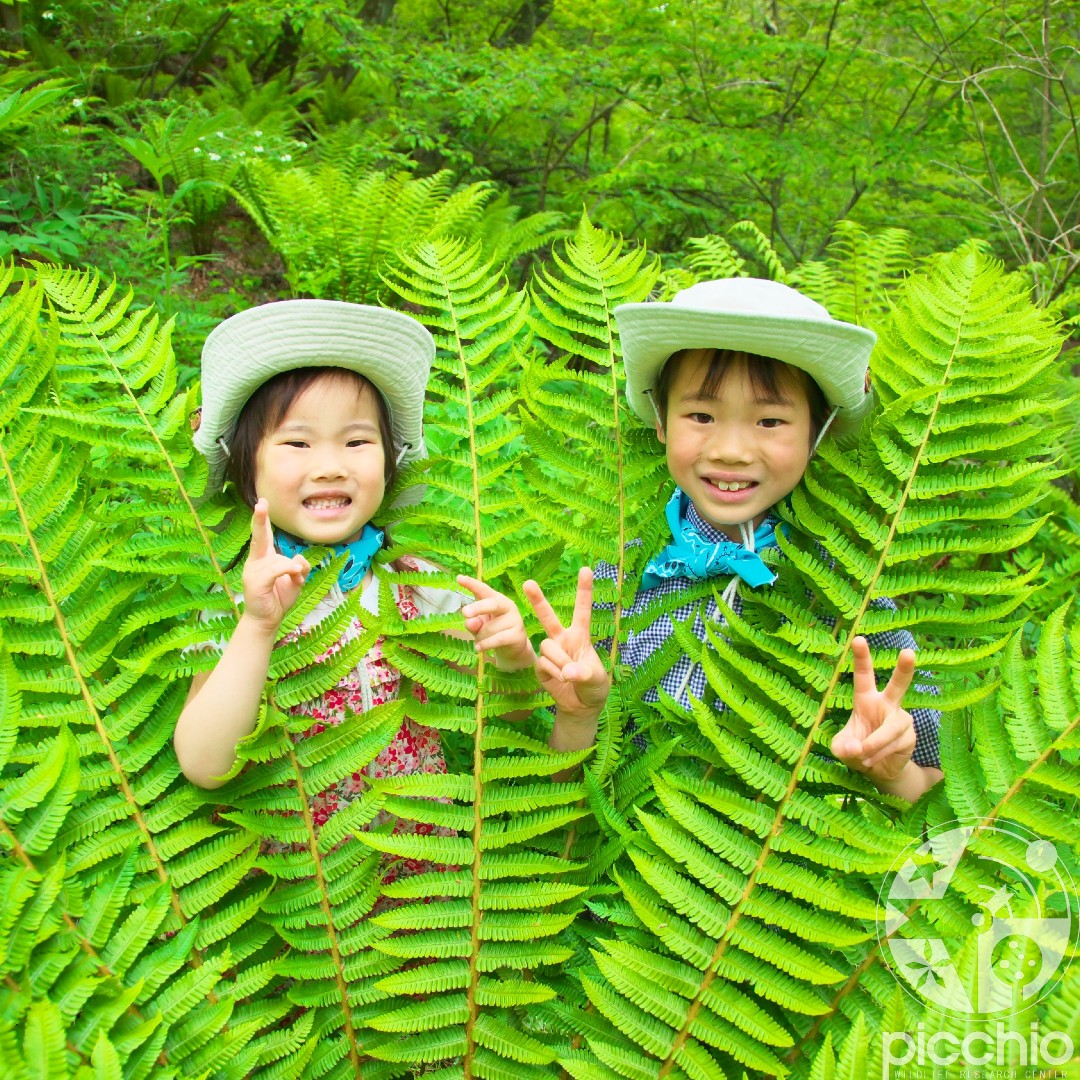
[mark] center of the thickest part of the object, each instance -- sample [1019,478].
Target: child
[743,378]
[309,407]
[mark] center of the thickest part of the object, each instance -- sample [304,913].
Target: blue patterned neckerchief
[696,555]
[361,552]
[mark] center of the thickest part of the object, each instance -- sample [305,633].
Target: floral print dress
[373,681]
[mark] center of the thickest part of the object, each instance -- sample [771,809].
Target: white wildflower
[78,102]
[197,150]
[257,149]
[213,156]
[258,133]
[286,157]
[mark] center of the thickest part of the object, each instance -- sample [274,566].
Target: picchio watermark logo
[977,934]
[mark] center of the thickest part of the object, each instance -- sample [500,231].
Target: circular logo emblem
[1007,952]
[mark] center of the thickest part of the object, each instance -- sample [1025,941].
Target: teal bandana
[696,556]
[361,552]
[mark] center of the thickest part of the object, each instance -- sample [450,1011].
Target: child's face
[760,449]
[322,468]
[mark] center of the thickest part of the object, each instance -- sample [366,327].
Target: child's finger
[581,671]
[865,681]
[901,677]
[555,653]
[492,627]
[846,747]
[542,609]
[547,671]
[262,536]
[278,566]
[476,586]
[494,605]
[583,600]
[499,640]
[895,736]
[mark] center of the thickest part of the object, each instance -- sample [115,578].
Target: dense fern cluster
[700,903]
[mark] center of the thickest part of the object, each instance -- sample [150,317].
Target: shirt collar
[709,531]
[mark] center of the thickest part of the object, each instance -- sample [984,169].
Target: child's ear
[660,432]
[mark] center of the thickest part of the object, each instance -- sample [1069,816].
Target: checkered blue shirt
[687,678]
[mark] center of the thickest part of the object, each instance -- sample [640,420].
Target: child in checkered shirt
[743,378]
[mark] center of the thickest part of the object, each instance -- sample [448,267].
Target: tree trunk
[377,12]
[527,20]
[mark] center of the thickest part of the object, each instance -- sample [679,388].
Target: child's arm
[569,668]
[222,707]
[879,737]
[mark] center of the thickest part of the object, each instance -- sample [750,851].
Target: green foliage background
[707,908]
[704,909]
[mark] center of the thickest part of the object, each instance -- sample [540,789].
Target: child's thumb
[845,746]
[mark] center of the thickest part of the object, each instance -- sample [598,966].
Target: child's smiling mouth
[729,491]
[327,504]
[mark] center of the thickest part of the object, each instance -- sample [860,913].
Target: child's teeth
[320,504]
[737,485]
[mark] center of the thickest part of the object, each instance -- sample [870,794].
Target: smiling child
[742,379]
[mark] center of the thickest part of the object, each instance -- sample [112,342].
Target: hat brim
[835,354]
[388,348]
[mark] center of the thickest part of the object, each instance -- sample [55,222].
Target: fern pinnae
[572,319]
[45,583]
[77,295]
[476,321]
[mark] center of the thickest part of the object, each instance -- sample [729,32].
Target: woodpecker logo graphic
[1024,919]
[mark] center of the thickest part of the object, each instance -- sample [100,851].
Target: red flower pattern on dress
[414,749]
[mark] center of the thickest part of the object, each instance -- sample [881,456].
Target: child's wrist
[517,661]
[577,718]
[257,628]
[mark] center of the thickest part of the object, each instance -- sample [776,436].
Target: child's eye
[295,442]
[358,442]
[701,418]
[771,422]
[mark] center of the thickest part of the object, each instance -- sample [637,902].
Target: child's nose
[328,464]
[730,444]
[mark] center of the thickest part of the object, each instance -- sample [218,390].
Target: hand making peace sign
[272,581]
[879,737]
[568,667]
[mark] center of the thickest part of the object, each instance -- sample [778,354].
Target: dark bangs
[772,381]
[267,407]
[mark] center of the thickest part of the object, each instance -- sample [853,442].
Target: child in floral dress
[309,407]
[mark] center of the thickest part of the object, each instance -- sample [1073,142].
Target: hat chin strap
[746,536]
[824,428]
[224,445]
[655,409]
[405,448]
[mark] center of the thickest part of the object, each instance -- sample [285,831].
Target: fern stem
[16,847]
[324,903]
[839,669]
[1025,776]
[616,427]
[478,753]
[73,661]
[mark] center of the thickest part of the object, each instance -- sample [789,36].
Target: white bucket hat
[390,349]
[751,315]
